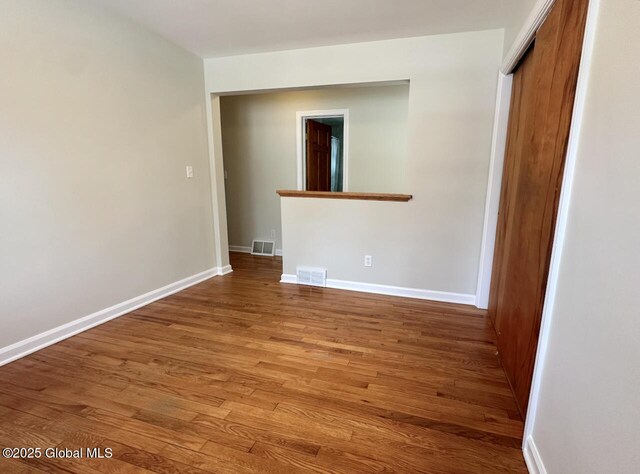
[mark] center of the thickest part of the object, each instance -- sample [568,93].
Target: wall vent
[263,247]
[312,276]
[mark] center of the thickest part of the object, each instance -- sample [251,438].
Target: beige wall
[588,416]
[259,145]
[516,14]
[98,119]
[432,242]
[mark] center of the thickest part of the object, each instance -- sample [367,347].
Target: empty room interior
[359,236]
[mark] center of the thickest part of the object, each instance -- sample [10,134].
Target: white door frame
[300,143]
[492,204]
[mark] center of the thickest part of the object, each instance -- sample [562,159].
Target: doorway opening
[323,139]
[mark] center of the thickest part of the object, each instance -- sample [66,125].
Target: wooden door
[542,104]
[318,156]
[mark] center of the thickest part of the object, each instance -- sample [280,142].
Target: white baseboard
[47,338]
[442,296]
[532,457]
[284,278]
[241,249]
[224,270]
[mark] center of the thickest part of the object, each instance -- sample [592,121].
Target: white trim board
[300,152]
[224,270]
[527,34]
[492,204]
[563,214]
[239,249]
[243,249]
[216,174]
[532,457]
[431,295]
[47,338]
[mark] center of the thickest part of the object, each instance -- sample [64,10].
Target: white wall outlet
[368,261]
[189,171]
[273,233]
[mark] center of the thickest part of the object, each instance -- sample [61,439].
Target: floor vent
[312,276]
[263,247]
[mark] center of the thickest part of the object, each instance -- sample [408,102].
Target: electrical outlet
[368,261]
[189,171]
[273,233]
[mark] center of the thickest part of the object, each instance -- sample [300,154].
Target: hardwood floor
[243,374]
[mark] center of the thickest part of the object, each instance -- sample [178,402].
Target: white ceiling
[213,28]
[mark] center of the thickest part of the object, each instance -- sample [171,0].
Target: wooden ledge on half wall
[346,195]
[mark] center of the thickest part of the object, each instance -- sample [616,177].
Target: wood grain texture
[318,165]
[242,374]
[542,105]
[346,195]
[521,105]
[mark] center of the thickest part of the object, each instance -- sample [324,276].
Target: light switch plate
[189,171]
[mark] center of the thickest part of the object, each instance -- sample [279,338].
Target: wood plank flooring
[242,374]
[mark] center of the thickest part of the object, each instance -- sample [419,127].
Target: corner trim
[389,290]
[224,270]
[526,35]
[532,457]
[216,173]
[57,334]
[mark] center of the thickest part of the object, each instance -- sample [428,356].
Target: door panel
[539,122]
[318,156]
[521,109]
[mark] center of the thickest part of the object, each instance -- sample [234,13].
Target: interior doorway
[323,150]
[323,154]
